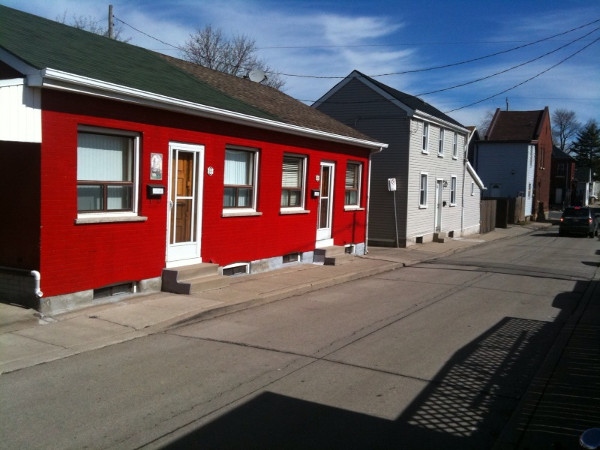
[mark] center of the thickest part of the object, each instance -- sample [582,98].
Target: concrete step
[179,280]
[208,282]
[331,256]
[440,237]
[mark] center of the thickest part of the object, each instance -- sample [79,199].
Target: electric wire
[444,66]
[527,80]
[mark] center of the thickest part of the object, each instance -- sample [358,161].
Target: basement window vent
[114,289]
[236,269]
[419,240]
[291,258]
[450,234]
[349,249]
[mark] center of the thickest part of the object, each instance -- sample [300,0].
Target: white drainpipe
[37,277]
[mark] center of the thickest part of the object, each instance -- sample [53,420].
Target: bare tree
[208,47]
[93,25]
[484,124]
[564,128]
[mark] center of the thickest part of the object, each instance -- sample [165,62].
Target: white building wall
[20,112]
[421,221]
[472,206]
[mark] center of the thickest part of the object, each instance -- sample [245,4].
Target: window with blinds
[105,172]
[353,176]
[292,182]
[240,178]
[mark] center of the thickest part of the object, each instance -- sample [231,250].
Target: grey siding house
[437,191]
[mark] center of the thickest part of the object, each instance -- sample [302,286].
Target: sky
[313,45]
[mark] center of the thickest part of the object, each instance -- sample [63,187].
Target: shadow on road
[466,406]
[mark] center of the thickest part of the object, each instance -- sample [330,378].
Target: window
[240,178]
[472,188]
[453,191]
[353,176]
[106,171]
[425,137]
[292,182]
[455,146]
[529,190]
[423,191]
[441,143]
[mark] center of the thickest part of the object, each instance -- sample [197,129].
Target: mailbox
[155,190]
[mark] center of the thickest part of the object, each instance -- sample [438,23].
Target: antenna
[257,75]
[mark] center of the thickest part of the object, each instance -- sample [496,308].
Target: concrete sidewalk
[28,338]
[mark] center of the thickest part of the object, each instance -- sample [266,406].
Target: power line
[526,81]
[510,68]
[445,66]
[148,35]
[426,69]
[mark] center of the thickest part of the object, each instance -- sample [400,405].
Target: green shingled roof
[43,43]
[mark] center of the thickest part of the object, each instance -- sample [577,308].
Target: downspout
[36,286]
[369,198]
[465,159]
[33,273]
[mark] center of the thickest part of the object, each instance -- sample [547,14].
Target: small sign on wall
[391,184]
[156,166]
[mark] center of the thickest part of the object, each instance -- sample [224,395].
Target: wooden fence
[487,216]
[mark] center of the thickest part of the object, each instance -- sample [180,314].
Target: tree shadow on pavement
[467,405]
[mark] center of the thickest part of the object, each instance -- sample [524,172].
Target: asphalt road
[432,356]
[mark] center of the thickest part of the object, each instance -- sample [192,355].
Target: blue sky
[324,38]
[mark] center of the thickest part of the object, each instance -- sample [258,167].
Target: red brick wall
[76,257]
[20,205]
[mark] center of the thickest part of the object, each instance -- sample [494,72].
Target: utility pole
[111,22]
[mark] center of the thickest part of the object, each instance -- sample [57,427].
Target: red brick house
[562,183]
[515,157]
[124,162]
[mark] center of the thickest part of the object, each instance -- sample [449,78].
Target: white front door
[439,204]
[325,205]
[184,213]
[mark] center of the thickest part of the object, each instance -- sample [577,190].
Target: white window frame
[425,138]
[117,216]
[453,185]
[234,211]
[301,207]
[441,143]
[423,190]
[472,188]
[455,146]
[356,205]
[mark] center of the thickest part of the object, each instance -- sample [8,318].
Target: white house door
[184,213]
[439,204]
[325,205]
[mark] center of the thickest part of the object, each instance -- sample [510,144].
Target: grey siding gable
[358,106]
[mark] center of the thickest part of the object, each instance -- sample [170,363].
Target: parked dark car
[578,220]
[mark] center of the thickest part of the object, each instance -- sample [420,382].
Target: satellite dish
[257,75]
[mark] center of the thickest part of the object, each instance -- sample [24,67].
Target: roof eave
[56,79]
[424,116]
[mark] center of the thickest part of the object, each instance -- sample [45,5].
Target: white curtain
[103,157]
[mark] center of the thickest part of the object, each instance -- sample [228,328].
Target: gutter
[56,79]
